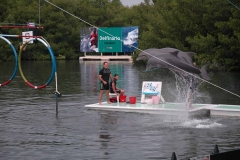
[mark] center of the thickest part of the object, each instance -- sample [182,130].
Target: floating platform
[106,58]
[171,108]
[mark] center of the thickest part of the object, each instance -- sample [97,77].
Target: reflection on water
[128,76]
[29,127]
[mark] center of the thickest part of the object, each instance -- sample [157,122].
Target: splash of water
[186,86]
[201,123]
[186,122]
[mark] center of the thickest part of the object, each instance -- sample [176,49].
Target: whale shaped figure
[131,38]
[172,58]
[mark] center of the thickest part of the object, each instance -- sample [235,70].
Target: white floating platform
[107,58]
[171,108]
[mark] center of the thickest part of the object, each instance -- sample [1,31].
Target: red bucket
[113,99]
[122,98]
[132,100]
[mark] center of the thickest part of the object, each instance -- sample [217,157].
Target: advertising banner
[109,39]
[129,39]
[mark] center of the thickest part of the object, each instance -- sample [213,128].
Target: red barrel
[132,100]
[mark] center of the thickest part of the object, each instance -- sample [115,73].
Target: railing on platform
[216,155]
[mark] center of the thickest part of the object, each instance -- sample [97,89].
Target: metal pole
[39,27]
[39,12]
[56,93]
[19,36]
[56,104]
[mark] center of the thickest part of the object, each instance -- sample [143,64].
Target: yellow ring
[19,61]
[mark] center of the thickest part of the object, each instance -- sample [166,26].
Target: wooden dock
[106,58]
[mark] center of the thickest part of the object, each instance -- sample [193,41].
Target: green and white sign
[110,39]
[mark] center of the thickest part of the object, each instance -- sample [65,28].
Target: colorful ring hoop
[53,64]
[16,62]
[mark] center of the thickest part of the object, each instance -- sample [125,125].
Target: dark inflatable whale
[172,58]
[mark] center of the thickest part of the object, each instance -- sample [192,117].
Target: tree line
[208,27]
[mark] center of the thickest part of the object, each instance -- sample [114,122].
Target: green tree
[208,27]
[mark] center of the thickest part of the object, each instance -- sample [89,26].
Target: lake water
[31,130]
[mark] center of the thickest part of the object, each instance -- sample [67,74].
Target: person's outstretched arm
[114,88]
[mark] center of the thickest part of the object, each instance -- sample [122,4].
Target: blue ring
[16,59]
[53,65]
[16,62]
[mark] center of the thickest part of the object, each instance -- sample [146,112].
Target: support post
[39,7]
[56,104]
[57,94]
[174,156]
[216,150]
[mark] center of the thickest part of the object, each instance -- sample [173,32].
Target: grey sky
[131,2]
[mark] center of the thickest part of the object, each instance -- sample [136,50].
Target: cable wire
[234,5]
[145,51]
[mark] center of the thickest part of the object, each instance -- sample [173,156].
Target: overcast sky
[131,2]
